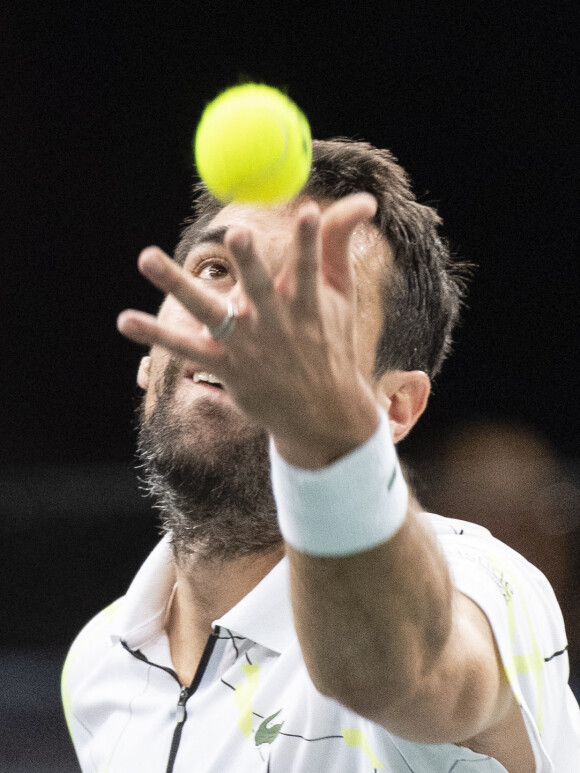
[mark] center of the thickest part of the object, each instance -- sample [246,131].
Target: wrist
[336,438]
[351,505]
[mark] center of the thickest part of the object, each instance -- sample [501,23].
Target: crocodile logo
[265,734]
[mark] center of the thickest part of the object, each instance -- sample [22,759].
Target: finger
[258,284]
[338,223]
[169,277]
[145,329]
[308,257]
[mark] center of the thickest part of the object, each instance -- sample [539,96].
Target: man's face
[210,459]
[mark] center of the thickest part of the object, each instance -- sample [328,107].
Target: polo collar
[143,610]
[264,615]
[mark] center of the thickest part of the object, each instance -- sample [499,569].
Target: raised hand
[291,361]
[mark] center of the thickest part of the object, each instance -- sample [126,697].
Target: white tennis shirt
[252,707]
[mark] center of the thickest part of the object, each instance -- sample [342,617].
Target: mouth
[201,377]
[204,380]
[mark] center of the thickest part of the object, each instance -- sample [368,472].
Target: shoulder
[86,651]
[498,578]
[474,554]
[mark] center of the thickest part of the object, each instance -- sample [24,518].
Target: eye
[213,269]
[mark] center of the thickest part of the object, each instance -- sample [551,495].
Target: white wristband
[354,504]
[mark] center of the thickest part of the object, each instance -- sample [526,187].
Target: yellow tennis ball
[253,145]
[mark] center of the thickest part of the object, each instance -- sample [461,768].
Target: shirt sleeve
[527,624]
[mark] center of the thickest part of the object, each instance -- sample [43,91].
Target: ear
[143,372]
[404,395]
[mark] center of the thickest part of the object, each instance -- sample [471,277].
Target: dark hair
[423,291]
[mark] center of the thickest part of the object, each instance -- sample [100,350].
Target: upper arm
[503,734]
[513,606]
[464,693]
[467,698]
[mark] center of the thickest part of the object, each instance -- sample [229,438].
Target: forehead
[274,230]
[272,227]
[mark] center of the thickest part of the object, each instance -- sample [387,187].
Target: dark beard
[209,476]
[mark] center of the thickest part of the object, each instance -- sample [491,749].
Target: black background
[99,104]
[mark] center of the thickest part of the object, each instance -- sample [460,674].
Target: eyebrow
[209,235]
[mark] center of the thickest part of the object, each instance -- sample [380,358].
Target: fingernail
[243,240]
[372,201]
[311,219]
[123,321]
[150,262]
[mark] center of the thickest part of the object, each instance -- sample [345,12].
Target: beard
[207,470]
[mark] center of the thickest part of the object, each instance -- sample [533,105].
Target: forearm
[371,591]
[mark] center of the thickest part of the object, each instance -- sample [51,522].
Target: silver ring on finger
[226,327]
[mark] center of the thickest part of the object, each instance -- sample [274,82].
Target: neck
[205,591]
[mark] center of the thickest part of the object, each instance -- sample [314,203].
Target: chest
[253,711]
